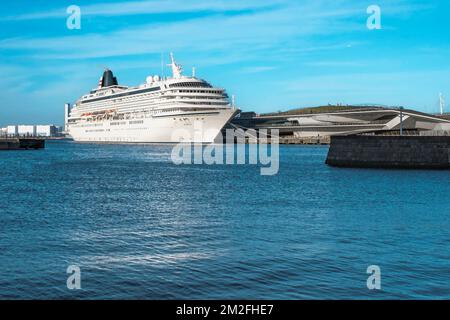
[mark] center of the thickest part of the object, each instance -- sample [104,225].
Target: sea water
[140,227]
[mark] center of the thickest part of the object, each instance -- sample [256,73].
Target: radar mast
[176,68]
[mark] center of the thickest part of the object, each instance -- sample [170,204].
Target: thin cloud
[337,63]
[257,69]
[261,30]
[127,8]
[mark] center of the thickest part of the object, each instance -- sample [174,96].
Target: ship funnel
[108,79]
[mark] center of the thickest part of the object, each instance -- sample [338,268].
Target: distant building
[67,110]
[26,130]
[60,130]
[12,130]
[46,131]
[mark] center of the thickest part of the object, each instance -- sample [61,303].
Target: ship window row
[129,104]
[126,99]
[200,91]
[90,125]
[199,98]
[132,93]
[117,123]
[207,103]
[167,110]
[190,84]
[137,122]
[124,104]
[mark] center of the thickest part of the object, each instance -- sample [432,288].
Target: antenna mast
[441,103]
[162,66]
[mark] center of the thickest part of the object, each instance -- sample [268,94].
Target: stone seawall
[390,152]
[21,144]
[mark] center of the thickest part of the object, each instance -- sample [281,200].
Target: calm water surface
[140,227]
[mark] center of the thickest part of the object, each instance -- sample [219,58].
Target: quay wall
[404,152]
[21,144]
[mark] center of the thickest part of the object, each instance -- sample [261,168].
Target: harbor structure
[399,152]
[321,123]
[21,144]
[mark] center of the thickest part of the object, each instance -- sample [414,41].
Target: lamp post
[401,121]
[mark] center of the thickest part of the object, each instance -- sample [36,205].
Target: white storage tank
[12,130]
[45,130]
[26,130]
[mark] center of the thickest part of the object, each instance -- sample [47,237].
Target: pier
[21,143]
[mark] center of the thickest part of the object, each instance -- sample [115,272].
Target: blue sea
[140,227]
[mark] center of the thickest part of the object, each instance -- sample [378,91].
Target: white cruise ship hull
[162,110]
[199,127]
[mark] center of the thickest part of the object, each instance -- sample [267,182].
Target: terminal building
[326,121]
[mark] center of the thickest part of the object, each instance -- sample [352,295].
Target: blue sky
[273,54]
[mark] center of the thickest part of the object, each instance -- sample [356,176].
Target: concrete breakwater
[21,143]
[405,152]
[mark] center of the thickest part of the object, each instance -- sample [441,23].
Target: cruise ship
[162,110]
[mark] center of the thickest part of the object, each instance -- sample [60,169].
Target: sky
[272,55]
